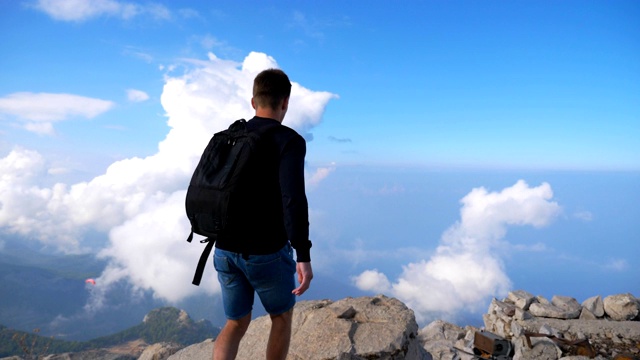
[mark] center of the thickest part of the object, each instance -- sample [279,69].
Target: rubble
[596,328]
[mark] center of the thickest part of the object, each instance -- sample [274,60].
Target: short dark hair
[270,87]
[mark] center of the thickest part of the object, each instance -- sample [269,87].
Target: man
[255,254]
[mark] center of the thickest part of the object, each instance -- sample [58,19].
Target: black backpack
[220,170]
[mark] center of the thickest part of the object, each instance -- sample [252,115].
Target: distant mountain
[48,292]
[167,324]
[37,288]
[13,342]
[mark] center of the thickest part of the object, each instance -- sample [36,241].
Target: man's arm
[294,199]
[296,208]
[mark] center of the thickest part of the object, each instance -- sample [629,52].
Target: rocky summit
[352,328]
[520,326]
[533,327]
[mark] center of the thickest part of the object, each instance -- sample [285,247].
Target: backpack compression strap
[203,260]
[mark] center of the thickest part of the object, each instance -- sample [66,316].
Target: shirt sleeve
[294,199]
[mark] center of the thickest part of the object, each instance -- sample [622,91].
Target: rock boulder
[200,351]
[159,351]
[594,305]
[352,328]
[621,307]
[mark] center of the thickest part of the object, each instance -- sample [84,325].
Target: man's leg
[280,336]
[227,342]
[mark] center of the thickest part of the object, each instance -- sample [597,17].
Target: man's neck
[270,114]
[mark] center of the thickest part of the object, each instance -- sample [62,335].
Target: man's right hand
[305,274]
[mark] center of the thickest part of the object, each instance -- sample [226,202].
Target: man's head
[270,88]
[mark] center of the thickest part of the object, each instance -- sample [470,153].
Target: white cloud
[372,280]
[466,268]
[321,173]
[40,110]
[537,247]
[29,209]
[617,265]
[303,115]
[151,252]
[208,42]
[81,10]
[139,202]
[585,216]
[138,54]
[137,95]
[157,11]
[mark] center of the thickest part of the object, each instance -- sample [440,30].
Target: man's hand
[305,274]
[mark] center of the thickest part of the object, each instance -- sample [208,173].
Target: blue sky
[106,105]
[482,84]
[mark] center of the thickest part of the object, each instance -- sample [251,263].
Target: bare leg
[227,342]
[280,336]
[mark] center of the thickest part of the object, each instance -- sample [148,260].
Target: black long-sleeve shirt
[273,209]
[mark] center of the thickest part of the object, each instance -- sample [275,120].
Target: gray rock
[595,305]
[585,314]
[440,337]
[522,314]
[549,311]
[441,330]
[568,304]
[521,299]
[548,330]
[606,338]
[90,355]
[352,328]
[621,307]
[542,348]
[498,324]
[516,329]
[200,351]
[589,328]
[542,300]
[500,307]
[159,351]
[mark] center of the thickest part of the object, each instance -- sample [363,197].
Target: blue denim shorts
[271,276]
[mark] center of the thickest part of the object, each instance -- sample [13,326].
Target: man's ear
[253,104]
[285,104]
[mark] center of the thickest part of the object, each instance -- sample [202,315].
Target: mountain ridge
[164,324]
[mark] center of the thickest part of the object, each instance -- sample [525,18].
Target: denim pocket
[221,264]
[264,269]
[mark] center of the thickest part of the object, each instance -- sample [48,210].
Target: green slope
[166,324]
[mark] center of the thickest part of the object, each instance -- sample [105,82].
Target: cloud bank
[467,267]
[39,111]
[81,10]
[138,203]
